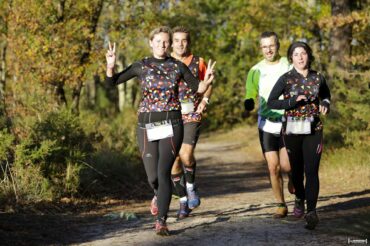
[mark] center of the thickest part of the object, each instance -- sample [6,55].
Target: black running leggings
[158,157]
[304,155]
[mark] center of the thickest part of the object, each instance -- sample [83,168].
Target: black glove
[325,104]
[248,104]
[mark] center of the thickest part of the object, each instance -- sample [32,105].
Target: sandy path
[237,206]
[236,209]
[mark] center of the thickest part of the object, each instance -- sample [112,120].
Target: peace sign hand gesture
[209,76]
[111,56]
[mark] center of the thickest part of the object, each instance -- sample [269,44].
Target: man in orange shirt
[193,105]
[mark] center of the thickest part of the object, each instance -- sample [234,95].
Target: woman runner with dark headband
[306,96]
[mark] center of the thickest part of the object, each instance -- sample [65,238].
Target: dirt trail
[236,209]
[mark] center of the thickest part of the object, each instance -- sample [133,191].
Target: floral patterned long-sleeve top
[159,80]
[291,85]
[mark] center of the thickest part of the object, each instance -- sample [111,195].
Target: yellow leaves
[356,17]
[358,59]
[40,39]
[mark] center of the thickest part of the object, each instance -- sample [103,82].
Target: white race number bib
[187,107]
[300,126]
[159,130]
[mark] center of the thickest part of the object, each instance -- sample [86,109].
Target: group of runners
[176,89]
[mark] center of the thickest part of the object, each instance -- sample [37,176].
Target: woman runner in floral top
[306,95]
[160,127]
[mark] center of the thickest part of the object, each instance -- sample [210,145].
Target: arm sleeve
[202,68]
[274,102]
[189,78]
[324,92]
[131,71]
[251,85]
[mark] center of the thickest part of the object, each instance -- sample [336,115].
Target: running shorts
[191,133]
[270,141]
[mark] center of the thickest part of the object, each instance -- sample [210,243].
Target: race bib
[187,107]
[300,126]
[269,126]
[159,130]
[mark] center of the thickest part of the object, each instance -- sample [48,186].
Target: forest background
[65,134]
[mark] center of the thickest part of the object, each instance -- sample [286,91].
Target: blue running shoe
[193,198]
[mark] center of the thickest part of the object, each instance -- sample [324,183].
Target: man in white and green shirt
[260,81]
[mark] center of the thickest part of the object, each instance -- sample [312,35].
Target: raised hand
[209,76]
[111,55]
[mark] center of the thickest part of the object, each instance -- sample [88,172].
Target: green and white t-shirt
[260,81]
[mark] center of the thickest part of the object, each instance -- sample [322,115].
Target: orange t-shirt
[202,65]
[186,94]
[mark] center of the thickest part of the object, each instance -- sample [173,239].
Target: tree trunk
[126,95]
[340,36]
[126,91]
[91,87]
[76,93]
[60,95]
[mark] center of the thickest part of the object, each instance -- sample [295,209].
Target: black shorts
[191,133]
[270,141]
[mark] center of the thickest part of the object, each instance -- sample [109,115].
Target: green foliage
[348,123]
[6,140]
[24,184]
[57,145]
[20,183]
[347,164]
[53,46]
[115,167]
[358,156]
[112,173]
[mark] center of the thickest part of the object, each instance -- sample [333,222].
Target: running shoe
[161,228]
[298,210]
[281,212]
[311,220]
[154,206]
[184,211]
[291,188]
[193,198]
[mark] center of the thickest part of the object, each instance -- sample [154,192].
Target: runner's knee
[272,159]
[274,168]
